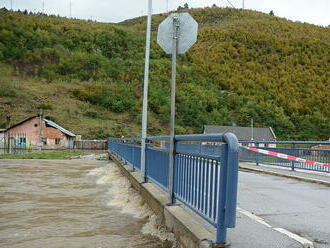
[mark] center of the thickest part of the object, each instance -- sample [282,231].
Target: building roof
[62,129]
[19,123]
[243,133]
[49,123]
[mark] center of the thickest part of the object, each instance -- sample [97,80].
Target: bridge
[197,198]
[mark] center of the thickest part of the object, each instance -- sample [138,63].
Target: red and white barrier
[285,156]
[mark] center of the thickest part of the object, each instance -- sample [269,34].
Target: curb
[304,179]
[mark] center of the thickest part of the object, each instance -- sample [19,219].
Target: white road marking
[305,242]
[254,217]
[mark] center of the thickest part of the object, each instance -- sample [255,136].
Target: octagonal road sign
[186,33]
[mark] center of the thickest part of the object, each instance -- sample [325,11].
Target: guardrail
[206,182]
[310,150]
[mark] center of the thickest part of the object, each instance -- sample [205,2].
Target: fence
[303,149]
[90,144]
[203,180]
[15,143]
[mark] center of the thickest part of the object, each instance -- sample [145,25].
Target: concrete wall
[91,144]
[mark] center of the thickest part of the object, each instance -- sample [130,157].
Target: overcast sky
[311,11]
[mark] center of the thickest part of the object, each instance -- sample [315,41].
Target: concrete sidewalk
[298,174]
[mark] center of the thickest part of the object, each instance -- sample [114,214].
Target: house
[38,132]
[245,134]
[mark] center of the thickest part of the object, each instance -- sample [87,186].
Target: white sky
[311,11]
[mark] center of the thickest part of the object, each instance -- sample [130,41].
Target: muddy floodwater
[73,203]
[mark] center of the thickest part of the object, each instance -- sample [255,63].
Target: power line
[231,4]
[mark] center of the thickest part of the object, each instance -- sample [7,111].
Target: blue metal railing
[204,176]
[310,150]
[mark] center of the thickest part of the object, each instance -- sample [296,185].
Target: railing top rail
[158,138]
[215,137]
[218,137]
[287,142]
[125,139]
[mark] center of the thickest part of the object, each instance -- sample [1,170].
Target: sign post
[176,34]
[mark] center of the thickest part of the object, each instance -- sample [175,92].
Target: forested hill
[88,76]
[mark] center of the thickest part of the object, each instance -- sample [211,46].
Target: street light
[145,93]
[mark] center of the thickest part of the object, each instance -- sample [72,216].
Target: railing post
[171,170]
[293,154]
[228,189]
[257,154]
[143,159]
[133,153]
[221,229]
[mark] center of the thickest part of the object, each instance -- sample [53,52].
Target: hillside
[88,76]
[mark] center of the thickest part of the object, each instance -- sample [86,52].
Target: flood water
[73,203]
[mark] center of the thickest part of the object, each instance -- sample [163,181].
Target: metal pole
[145,94]
[40,130]
[257,154]
[176,25]
[252,129]
[293,152]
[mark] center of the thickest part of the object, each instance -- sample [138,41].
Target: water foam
[129,201]
[97,171]
[155,229]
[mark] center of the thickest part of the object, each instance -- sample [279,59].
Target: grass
[42,155]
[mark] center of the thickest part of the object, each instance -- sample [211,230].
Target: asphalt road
[299,207]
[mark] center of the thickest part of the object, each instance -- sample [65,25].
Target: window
[44,141]
[57,141]
[22,140]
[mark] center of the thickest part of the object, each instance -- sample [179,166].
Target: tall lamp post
[145,94]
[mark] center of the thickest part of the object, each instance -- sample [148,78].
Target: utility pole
[167,6]
[43,7]
[243,4]
[252,138]
[145,94]
[11,4]
[40,129]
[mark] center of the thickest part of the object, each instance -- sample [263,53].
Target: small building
[38,132]
[245,134]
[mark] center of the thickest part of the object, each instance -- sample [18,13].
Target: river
[73,203]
